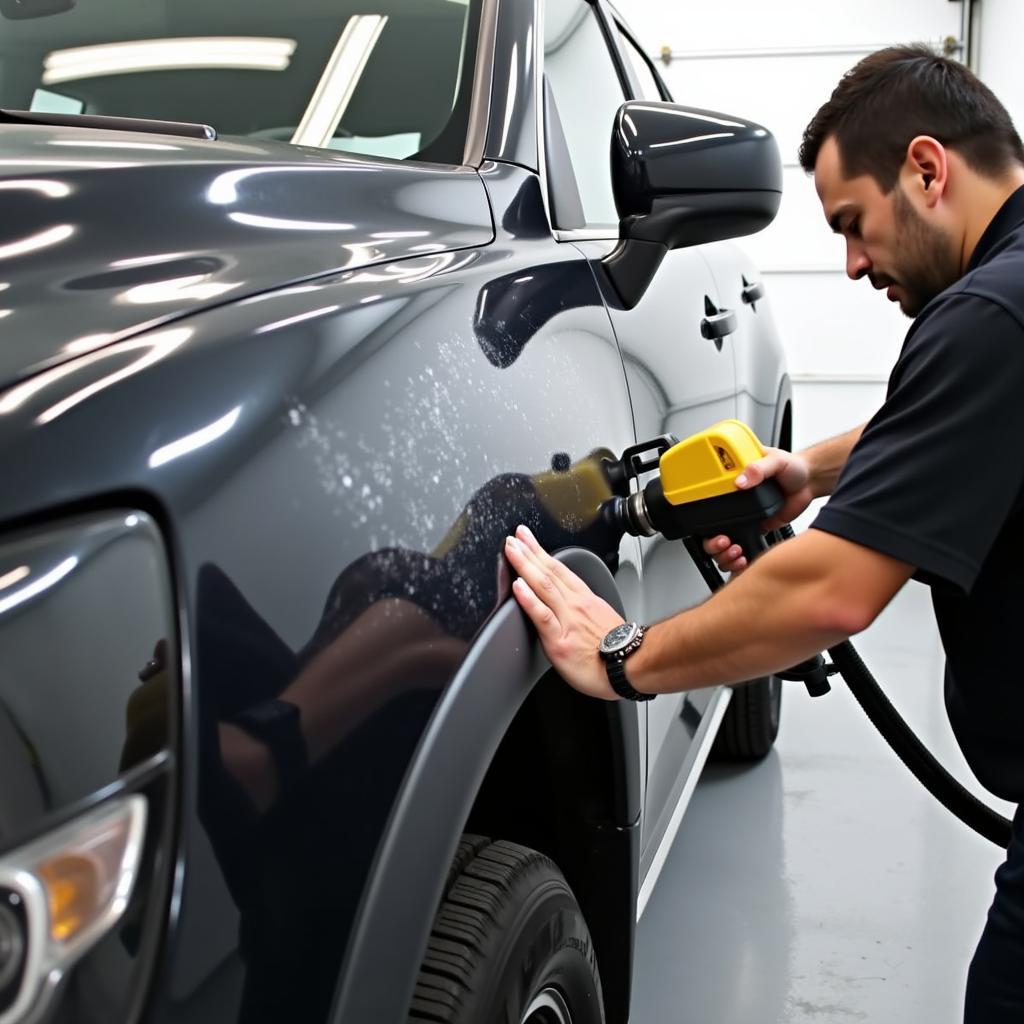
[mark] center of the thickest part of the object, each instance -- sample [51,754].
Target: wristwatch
[618,644]
[275,723]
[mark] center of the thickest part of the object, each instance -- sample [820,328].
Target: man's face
[887,239]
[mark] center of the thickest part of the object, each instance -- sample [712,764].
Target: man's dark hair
[898,93]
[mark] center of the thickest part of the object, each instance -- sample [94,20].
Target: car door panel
[745,290]
[680,383]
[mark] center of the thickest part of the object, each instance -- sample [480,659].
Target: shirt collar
[1010,215]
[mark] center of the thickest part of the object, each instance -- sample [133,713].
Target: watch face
[619,637]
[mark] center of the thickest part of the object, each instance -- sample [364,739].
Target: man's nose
[857,262]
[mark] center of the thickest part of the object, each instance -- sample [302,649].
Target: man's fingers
[539,613]
[728,557]
[545,585]
[549,564]
[716,545]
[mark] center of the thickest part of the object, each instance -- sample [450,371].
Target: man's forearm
[797,599]
[827,458]
[772,616]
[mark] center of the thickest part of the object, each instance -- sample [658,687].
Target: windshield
[381,77]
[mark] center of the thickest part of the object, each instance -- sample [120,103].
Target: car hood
[104,234]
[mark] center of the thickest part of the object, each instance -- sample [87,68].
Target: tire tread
[480,880]
[747,731]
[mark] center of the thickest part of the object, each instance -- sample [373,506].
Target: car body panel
[759,353]
[335,428]
[348,456]
[199,223]
[512,124]
[679,383]
[492,683]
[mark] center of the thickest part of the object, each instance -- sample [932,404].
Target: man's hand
[571,619]
[793,474]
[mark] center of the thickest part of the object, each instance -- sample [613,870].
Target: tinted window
[380,78]
[587,94]
[649,89]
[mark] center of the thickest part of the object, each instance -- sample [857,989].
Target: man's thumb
[751,476]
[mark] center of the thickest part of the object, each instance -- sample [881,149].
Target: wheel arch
[504,682]
[782,429]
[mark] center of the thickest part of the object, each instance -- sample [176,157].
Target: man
[918,166]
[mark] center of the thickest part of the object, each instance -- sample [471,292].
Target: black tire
[509,944]
[751,721]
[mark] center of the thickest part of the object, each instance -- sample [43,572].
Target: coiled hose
[912,752]
[891,725]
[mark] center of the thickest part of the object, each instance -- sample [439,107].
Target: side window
[587,94]
[649,87]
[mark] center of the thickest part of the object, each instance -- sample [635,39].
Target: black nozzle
[627,515]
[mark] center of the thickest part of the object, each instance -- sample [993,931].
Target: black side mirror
[16,10]
[682,176]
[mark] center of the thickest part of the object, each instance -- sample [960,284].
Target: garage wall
[842,337]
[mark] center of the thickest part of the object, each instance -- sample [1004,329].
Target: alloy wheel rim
[547,1007]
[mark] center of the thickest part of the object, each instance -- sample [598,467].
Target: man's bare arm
[804,595]
[799,598]
[827,458]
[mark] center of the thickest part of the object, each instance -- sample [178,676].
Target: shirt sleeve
[939,468]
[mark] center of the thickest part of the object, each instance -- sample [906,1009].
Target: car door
[679,380]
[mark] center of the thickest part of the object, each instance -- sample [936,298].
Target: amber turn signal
[74,884]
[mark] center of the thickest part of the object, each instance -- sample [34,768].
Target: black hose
[913,753]
[879,709]
[909,749]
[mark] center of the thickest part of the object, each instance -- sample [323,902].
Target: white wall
[841,337]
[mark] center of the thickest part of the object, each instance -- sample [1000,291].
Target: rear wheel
[509,944]
[751,721]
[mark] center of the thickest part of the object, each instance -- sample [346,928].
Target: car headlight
[88,713]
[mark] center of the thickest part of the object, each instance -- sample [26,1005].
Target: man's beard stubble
[928,263]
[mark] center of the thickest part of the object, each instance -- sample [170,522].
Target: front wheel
[509,944]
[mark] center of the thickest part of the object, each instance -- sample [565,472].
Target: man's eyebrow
[833,221]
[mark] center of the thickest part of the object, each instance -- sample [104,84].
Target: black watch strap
[275,723]
[616,668]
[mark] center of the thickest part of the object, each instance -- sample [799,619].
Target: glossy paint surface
[662,150]
[335,445]
[512,126]
[86,601]
[87,714]
[196,224]
[339,487]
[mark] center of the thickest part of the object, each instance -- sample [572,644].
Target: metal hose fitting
[629,515]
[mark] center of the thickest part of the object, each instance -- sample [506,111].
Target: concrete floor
[824,884]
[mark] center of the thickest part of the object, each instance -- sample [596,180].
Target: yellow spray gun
[686,490]
[693,496]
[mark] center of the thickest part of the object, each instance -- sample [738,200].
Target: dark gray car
[302,309]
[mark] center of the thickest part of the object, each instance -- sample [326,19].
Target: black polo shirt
[937,480]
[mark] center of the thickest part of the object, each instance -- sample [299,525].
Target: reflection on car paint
[393,631]
[236,227]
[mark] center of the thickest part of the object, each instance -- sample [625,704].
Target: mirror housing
[17,10]
[682,176]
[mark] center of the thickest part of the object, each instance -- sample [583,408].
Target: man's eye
[853,227]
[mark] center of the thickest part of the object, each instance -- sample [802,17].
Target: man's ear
[925,171]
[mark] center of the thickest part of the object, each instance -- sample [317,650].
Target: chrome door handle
[752,292]
[718,325]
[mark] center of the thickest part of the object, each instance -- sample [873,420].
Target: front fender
[409,875]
